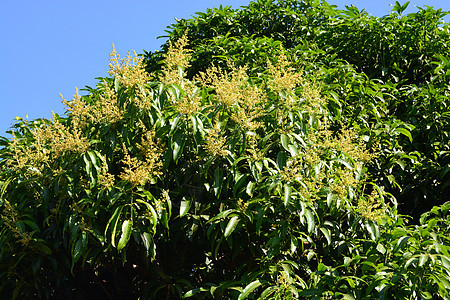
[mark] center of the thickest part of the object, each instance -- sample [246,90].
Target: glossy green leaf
[178,146]
[218,181]
[164,219]
[285,141]
[310,220]
[113,221]
[405,132]
[185,205]
[249,288]
[127,227]
[287,194]
[231,226]
[326,233]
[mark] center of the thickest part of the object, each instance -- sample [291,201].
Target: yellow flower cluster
[307,166]
[249,108]
[106,180]
[176,58]
[129,71]
[106,110]
[228,86]
[50,142]
[11,217]
[215,142]
[283,77]
[256,154]
[370,207]
[189,101]
[242,205]
[314,103]
[138,171]
[235,92]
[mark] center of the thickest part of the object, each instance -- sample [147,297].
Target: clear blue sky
[51,47]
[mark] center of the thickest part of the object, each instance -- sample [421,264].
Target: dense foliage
[260,155]
[390,73]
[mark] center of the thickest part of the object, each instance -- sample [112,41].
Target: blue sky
[51,47]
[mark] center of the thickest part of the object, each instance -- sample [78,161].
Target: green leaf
[445,261]
[16,291]
[310,220]
[127,227]
[164,219]
[285,141]
[410,261]
[326,233]
[311,292]
[149,244]
[401,241]
[281,159]
[345,163]
[114,220]
[423,258]
[195,291]
[231,226]
[347,261]
[76,252]
[93,157]
[153,214]
[249,288]
[185,204]
[218,181]
[239,184]
[293,150]
[41,246]
[287,194]
[178,146]
[404,132]
[381,248]
[267,292]
[222,214]
[373,229]
[294,244]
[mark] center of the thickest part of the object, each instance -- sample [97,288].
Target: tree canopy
[285,150]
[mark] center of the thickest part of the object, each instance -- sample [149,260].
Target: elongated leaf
[268,291]
[149,244]
[164,219]
[285,141]
[326,233]
[310,220]
[311,292]
[154,215]
[239,184]
[114,220]
[234,221]
[405,132]
[184,206]
[76,252]
[423,259]
[248,289]
[178,146]
[93,157]
[373,229]
[281,159]
[401,241]
[287,194]
[218,181]
[41,246]
[195,291]
[127,227]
